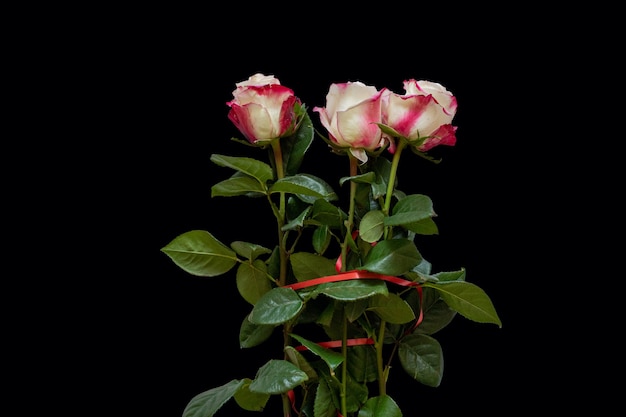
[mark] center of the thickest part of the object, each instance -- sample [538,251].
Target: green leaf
[364,201]
[327,214]
[469,300]
[277,377]
[392,257]
[356,393]
[252,281]
[328,317]
[326,401]
[249,400]
[372,226]
[437,314]
[305,185]
[381,406]
[209,402]
[306,266]
[295,146]
[321,239]
[391,308]
[354,309]
[236,186]
[382,168]
[199,253]
[251,334]
[276,307]
[249,166]
[297,222]
[422,358]
[332,358]
[353,290]
[411,209]
[249,250]
[421,272]
[423,227]
[300,361]
[450,275]
[366,178]
[362,363]
[295,206]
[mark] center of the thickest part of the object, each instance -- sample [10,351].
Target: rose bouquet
[350,274]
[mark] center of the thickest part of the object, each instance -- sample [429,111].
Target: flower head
[352,112]
[262,109]
[424,112]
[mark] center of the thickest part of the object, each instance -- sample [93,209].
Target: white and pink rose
[425,111]
[263,109]
[350,116]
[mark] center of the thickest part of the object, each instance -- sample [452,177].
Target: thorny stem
[344,250]
[382,374]
[392,181]
[280,173]
[350,222]
[280,217]
[382,381]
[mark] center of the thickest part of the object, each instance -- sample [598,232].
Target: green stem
[280,174]
[395,162]
[354,164]
[382,380]
[286,405]
[392,181]
[280,219]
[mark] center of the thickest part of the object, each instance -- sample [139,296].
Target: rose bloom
[263,109]
[350,116]
[425,110]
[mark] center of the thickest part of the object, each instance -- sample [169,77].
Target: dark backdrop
[117,111]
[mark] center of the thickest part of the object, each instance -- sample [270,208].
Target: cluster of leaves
[392,300]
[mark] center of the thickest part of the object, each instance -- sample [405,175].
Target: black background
[116,111]
[164,336]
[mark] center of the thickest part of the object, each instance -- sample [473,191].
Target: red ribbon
[356,274]
[337,343]
[344,276]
